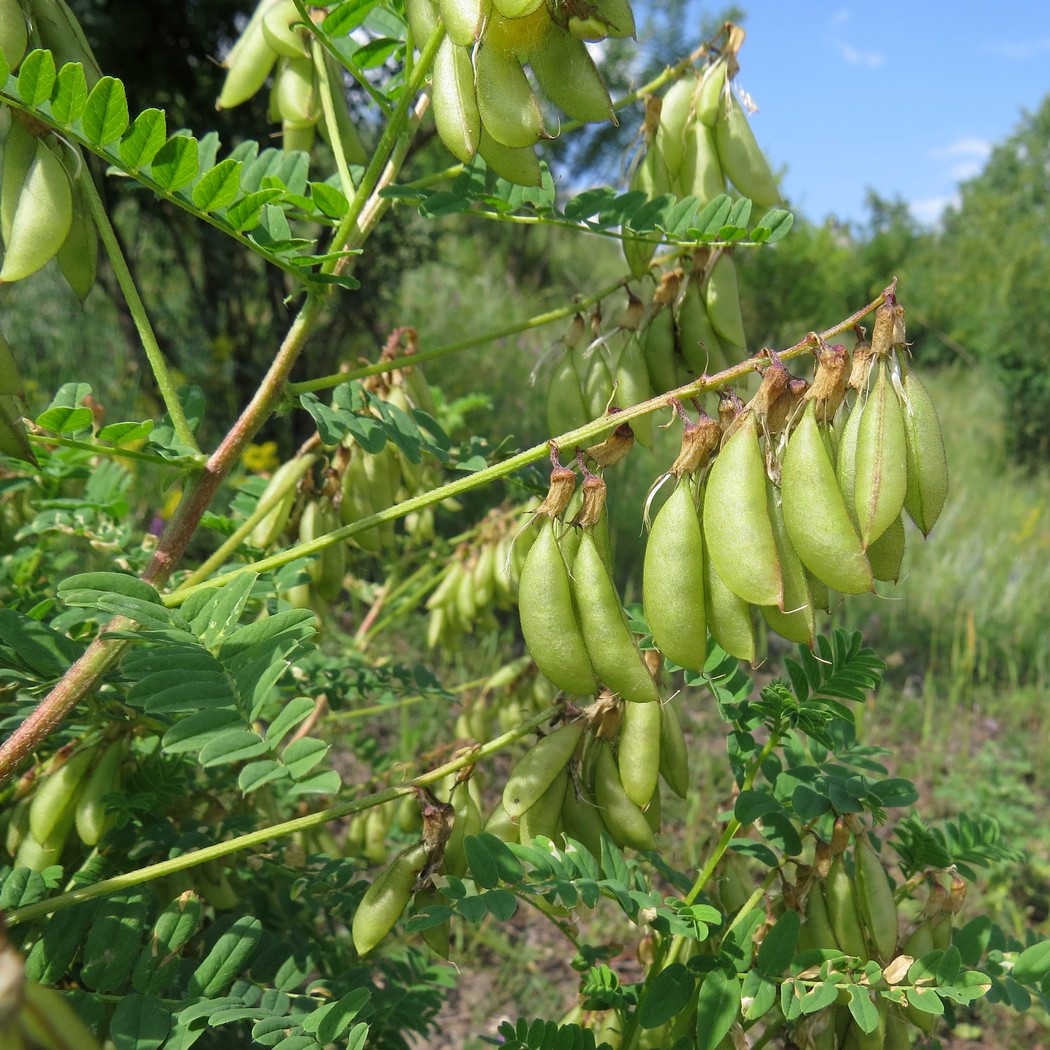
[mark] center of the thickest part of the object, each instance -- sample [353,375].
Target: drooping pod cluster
[483,98]
[698,142]
[598,772]
[505,699]
[64,797]
[479,579]
[846,899]
[572,618]
[275,45]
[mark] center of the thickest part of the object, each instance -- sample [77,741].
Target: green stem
[262,836]
[423,356]
[317,52]
[137,309]
[112,450]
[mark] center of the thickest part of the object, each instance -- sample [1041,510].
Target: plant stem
[112,450]
[324,82]
[275,831]
[137,309]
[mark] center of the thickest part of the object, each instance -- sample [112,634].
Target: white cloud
[928,212]
[1019,50]
[967,157]
[855,57]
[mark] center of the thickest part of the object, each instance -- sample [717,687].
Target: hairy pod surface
[508,108]
[464,19]
[927,462]
[742,159]
[624,819]
[539,767]
[737,526]
[882,459]
[846,458]
[543,817]
[673,580]
[247,66]
[456,113]
[710,91]
[638,751]
[794,618]
[676,116]
[701,172]
[612,649]
[386,899]
[878,909]
[548,617]
[815,515]
[519,166]
[729,617]
[816,931]
[886,554]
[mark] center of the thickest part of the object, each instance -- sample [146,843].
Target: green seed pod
[858,1039]
[42,218]
[638,751]
[722,299]
[878,909]
[506,103]
[794,619]
[927,461]
[387,897]
[742,159]
[566,407]
[581,820]
[55,794]
[816,930]
[296,97]
[729,617]
[623,818]
[422,18]
[78,257]
[612,648]
[815,513]
[674,752]
[920,940]
[676,118]
[632,386]
[846,460]
[519,166]
[500,824]
[569,78]
[882,459]
[537,769]
[19,151]
[278,28]
[247,65]
[710,93]
[456,112]
[673,580]
[543,817]
[14,34]
[843,911]
[92,817]
[886,554]
[737,525]
[548,618]
[698,343]
[701,174]
[467,822]
[464,19]
[659,351]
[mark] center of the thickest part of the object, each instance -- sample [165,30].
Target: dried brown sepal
[956,895]
[863,359]
[888,332]
[610,451]
[633,314]
[729,408]
[574,333]
[829,382]
[651,120]
[775,379]
[559,491]
[781,411]
[603,716]
[438,818]
[936,902]
[700,441]
[822,858]
[840,836]
[666,291]
[594,496]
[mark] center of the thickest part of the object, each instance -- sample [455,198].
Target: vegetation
[358,556]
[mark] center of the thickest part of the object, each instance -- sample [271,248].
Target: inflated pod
[611,646]
[659,350]
[537,769]
[737,526]
[858,1039]
[92,816]
[543,817]
[698,343]
[638,751]
[816,930]
[55,795]
[14,34]
[467,822]
[815,515]
[623,819]
[676,118]
[729,617]
[673,580]
[569,78]
[78,257]
[846,458]
[506,102]
[882,459]
[632,386]
[843,912]
[795,617]
[742,158]
[722,298]
[710,92]
[581,820]
[517,165]
[549,622]
[927,462]
[386,899]
[464,19]
[456,113]
[886,554]
[878,909]
[701,174]
[674,752]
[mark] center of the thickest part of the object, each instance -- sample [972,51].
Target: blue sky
[904,98]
